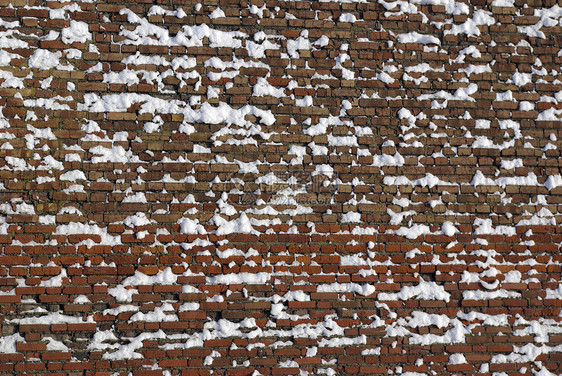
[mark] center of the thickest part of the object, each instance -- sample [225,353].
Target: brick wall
[280,187]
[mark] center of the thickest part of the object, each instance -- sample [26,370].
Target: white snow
[424,290]
[415,37]
[347,287]
[8,343]
[553,181]
[457,359]
[76,32]
[448,229]
[412,232]
[44,59]
[73,175]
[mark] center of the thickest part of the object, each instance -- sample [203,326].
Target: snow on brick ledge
[280,187]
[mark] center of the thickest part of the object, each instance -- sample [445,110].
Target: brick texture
[280,187]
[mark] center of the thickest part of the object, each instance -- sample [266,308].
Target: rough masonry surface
[280,187]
